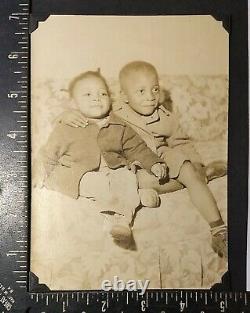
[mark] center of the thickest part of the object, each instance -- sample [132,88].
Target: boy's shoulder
[64,128]
[66,132]
[116,120]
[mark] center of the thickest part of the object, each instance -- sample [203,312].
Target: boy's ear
[162,95]
[124,97]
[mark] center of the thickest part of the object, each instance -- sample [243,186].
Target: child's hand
[73,118]
[160,170]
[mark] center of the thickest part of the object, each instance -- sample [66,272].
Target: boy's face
[142,91]
[92,98]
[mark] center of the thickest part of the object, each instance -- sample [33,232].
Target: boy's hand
[160,170]
[73,118]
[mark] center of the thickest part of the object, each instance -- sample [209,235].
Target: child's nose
[96,97]
[150,96]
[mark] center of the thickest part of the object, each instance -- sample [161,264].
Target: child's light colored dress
[113,190]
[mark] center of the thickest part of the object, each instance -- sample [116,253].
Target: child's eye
[104,94]
[155,89]
[87,94]
[141,91]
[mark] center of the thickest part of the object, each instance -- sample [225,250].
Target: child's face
[91,96]
[142,92]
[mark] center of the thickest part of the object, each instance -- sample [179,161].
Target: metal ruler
[15,196]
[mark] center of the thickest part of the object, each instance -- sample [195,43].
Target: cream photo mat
[69,250]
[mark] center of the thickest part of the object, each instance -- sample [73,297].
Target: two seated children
[114,144]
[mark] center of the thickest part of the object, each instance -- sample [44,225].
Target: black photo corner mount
[233,15]
[225,19]
[34,21]
[35,286]
[225,284]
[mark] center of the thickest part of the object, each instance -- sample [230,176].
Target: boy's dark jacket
[71,152]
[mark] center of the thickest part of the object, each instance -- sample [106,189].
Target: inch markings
[18,59]
[17,135]
[134,302]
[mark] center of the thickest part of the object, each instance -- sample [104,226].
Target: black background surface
[234,16]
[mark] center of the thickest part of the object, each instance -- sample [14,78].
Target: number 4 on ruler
[12,135]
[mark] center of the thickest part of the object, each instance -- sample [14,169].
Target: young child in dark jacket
[93,162]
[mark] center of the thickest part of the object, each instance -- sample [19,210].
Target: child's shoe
[216,169]
[220,241]
[149,198]
[121,231]
[118,226]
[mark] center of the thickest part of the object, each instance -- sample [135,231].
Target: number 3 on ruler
[143,306]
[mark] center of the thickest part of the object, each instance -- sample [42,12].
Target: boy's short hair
[84,75]
[135,66]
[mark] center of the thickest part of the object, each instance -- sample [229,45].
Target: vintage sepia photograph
[129,130]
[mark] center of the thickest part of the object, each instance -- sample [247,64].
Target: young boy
[93,162]
[158,128]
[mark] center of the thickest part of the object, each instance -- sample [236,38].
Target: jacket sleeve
[53,150]
[181,141]
[135,149]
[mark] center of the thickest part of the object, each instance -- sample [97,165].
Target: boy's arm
[73,118]
[181,140]
[135,149]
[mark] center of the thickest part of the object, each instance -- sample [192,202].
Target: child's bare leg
[200,194]
[203,199]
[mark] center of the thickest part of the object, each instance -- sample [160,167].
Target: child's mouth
[97,106]
[149,105]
